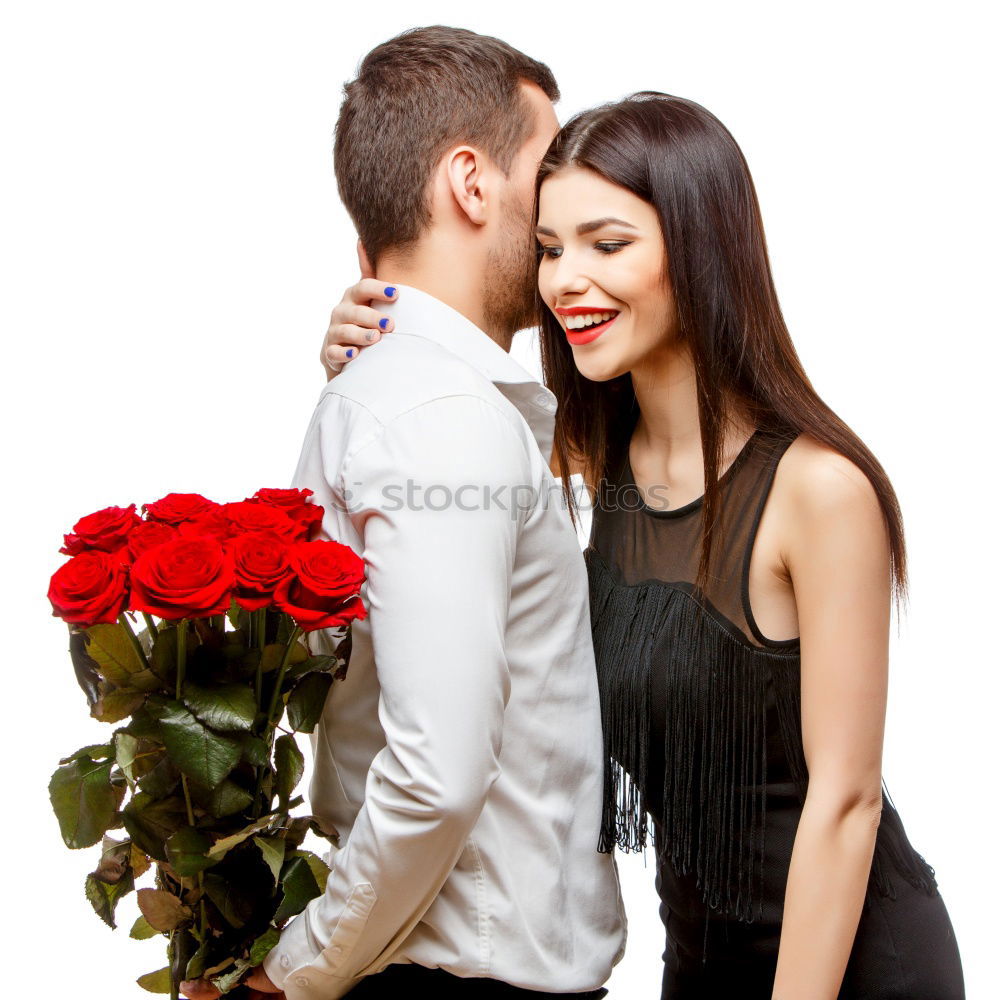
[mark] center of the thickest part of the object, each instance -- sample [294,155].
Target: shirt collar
[419,314]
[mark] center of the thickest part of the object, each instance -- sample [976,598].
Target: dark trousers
[394,982]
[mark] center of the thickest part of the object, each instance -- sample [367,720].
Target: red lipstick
[581,337]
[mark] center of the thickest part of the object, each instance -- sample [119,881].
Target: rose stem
[181,654]
[150,624]
[276,694]
[136,645]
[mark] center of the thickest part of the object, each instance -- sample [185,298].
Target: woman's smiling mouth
[584,324]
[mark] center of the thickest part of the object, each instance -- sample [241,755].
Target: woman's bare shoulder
[815,480]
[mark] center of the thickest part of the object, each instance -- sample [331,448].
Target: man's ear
[467,181]
[367,271]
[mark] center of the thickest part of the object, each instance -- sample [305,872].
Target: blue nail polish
[350,352]
[383,323]
[390,292]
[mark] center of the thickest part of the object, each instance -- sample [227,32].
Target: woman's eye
[608,246]
[544,251]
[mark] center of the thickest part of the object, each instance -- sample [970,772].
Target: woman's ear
[466,177]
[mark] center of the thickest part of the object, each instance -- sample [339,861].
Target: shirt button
[302,981]
[336,951]
[542,400]
[285,961]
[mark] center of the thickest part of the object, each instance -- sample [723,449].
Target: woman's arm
[837,556]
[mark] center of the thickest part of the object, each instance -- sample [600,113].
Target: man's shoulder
[404,371]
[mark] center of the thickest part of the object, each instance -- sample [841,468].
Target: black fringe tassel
[715,743]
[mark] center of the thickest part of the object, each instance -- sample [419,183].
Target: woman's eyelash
[605,247]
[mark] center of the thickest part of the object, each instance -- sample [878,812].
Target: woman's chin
[598,371]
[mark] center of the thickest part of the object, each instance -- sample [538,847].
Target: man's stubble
[511,274]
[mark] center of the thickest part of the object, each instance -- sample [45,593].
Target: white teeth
[588,319]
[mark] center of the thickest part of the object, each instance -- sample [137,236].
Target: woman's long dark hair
[683,161]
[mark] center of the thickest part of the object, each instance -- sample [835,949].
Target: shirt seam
[482,914]
[383,426]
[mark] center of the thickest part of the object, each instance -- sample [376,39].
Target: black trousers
[393,982]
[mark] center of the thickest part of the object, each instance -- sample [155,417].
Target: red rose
[295,503]
[260,562]
[147,535]
[308,517]
[177,507]
[213,524]
[106,530]
[89,589]
[183,578]
[282,498]
[250,516]
[323,588]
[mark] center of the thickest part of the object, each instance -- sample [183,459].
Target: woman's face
[603,260]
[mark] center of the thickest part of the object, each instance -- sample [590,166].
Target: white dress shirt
[461,759]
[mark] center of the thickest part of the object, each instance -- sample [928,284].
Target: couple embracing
[708,677]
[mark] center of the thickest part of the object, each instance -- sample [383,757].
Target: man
[461,758]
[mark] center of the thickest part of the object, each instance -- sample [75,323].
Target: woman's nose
[568,278]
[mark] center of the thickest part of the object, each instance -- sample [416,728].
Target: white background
[173,244]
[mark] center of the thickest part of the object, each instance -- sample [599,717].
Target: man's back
[461,759]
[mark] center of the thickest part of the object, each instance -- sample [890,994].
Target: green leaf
[83,666]
[142,725]
[139,860]
[96,751]
[262,946]
[196,963]
[116,856]
[126,749]
[228,798]
[114,654]
[289,764]
[198,752]
[156,982]
[299,885]
[226,844]
[226,706]
[84,801]
[161,779]
[275,653]
[162,909]
[272,849]
[104,897]
[151,822]
[186,851]
[233,904]
[115,704]
[163,662]
[142,929]
[225,983]
[305,703]
[254,750]
[311,664]
[319,868]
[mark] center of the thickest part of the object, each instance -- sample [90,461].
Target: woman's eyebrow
[589,227]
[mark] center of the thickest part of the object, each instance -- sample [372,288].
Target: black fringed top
[701,711]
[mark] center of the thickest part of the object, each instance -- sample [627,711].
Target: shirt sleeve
[431,498]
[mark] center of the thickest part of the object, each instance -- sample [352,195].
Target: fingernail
[370,335]
[384,323]
[350,352]
[390,292]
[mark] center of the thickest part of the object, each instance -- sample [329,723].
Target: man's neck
[450,281]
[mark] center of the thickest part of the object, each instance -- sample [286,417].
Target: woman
[741,628]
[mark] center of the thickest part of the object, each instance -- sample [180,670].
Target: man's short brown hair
[415,96]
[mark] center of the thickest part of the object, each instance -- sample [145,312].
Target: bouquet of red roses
[195,777]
